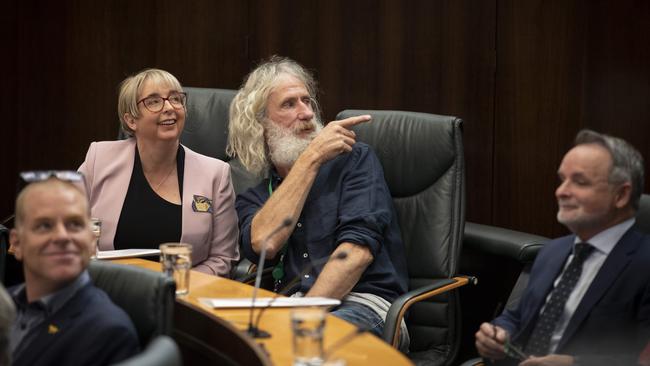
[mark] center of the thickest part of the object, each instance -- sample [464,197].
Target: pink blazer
[107,169]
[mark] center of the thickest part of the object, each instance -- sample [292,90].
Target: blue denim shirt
[348,202]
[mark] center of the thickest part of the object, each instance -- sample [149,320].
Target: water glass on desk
[176,260]
[96,227]
[307,325]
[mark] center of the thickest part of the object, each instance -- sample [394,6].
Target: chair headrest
[399,138]
[206,123]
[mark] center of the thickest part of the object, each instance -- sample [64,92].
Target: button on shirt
[603,244]
[31,315]
[348,202]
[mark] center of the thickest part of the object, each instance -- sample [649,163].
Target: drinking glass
[96,227]
[308,325]
[176,259]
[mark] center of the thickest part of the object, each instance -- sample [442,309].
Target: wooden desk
[365,349]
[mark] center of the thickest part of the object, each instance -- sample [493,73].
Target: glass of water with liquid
[176,260]
[96,228]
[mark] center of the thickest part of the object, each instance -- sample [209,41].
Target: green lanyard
[278,270]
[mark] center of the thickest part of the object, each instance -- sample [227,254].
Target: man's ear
[623,195]
[130,121]
[15,246]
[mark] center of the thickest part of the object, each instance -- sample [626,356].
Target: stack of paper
[261,302]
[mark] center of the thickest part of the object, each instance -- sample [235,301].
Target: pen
[509,349]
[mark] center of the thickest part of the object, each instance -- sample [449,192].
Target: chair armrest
[399,307]
[245,271]
[242,270]
[516,245]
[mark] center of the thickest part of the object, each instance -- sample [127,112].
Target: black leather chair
[146,296]
[4,247]
[517,246]
[206,122]
[502,258]
[206,132]
[422,157]
[161,351]
[206,129]
[11,270]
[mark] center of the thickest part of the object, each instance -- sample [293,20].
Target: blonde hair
[248,111]
[130,88]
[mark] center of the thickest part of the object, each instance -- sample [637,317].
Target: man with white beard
[332,189]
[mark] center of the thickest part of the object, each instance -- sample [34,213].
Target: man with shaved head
[62,319]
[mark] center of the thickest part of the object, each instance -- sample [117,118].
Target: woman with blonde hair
[150,189]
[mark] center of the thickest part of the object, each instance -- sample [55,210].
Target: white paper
[127,253]
[261,302]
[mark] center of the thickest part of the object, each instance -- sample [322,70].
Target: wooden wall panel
[427,56]
[68,58]
[617,84]
[563,66]
[524,75]
[538,94]
[34,88]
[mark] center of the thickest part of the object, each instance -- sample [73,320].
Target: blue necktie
[540,338]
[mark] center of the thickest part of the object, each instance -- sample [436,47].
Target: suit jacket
[108,168]
[612,322]
[88,330]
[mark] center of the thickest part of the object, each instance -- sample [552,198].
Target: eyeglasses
[32,176]
[156,103]
[28,177]
[40,175]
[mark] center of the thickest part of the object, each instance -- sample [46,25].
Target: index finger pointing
[353,121]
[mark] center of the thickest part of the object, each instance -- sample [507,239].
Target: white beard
[285,146]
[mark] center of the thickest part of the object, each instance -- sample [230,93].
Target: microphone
[252,330]
[339,256]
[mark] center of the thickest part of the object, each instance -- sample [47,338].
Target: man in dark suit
[61,318]
[588,298]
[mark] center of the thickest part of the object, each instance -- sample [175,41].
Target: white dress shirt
[603,244]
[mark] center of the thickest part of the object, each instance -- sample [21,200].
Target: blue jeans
[361,316]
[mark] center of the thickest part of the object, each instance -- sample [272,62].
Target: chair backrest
[206,130]
[422,157]
[4,247]
[146,296]
[206,123]
[161,351]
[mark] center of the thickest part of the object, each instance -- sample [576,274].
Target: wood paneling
[538,90]
[33,92]
[617,72]
[68,58]
[524,75]
[429,56]
[563,66]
